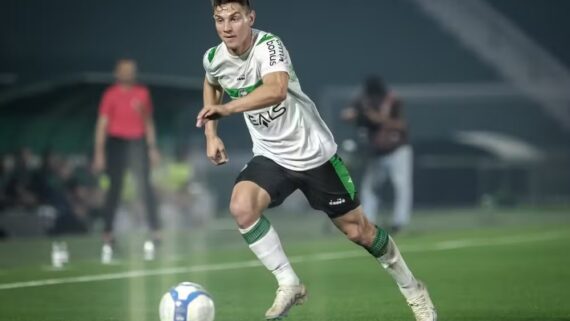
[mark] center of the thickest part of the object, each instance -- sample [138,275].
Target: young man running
[293,149]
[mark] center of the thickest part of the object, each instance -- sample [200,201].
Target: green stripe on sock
[258,231]
[380,243]
[344,175]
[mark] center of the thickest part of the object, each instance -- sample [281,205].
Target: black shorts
[328,188]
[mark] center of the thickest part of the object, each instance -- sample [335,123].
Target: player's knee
[244,211]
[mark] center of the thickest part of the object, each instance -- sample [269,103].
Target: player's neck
[245,47]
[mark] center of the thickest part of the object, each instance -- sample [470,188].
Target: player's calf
[360,231]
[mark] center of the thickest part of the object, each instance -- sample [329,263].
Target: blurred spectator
[3,182]
[55,186]
[125,137]
[19,188]
[48,181]
[173,179]
[380,114]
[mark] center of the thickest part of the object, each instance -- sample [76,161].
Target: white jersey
[292,133]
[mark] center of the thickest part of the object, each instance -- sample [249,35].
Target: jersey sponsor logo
[266,117]
[275,52]
[338,201]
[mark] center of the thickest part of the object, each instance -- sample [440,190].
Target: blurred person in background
[19,186]
[175,181]
[125,137]
[380,113]
[54,186]
[48,181]
[3,182]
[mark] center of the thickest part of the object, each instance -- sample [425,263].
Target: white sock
[265,244]
[395,265]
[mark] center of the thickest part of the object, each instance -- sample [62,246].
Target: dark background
[330,41]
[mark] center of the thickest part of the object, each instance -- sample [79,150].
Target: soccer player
[293,149]
[125,136]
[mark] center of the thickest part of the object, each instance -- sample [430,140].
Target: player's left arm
[272,92]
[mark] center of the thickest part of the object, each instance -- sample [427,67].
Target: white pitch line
[440,246]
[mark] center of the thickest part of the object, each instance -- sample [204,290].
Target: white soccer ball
[187,302]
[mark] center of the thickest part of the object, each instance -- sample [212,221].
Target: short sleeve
[207,61]
[272,56]
[106,104]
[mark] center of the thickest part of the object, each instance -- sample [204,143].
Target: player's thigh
[330,188]
[248,201]
[263,180]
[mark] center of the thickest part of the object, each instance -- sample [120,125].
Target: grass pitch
[480,269]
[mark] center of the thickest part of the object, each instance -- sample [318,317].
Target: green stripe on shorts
[343,175]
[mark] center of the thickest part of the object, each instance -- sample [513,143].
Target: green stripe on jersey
[258,231]
[265,38]
[343,175]
[211,54]
[236,93]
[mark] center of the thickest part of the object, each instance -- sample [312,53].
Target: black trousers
[122,154]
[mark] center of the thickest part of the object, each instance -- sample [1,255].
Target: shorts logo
[338,201]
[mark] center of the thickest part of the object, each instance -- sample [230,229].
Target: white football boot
[285,298]
[420,303]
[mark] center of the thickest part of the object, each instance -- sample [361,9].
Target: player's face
[126,72]
[233,24]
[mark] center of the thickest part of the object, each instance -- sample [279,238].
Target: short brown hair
[244,3]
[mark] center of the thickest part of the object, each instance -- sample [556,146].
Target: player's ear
[251,18]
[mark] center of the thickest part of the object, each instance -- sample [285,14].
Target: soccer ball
[186,302]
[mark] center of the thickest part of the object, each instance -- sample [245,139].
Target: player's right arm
[215,150]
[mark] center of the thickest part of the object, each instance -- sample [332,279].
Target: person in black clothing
[381,114]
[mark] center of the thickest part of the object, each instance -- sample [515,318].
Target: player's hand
[98,165]
[154,157]
[211,113]
[216,151]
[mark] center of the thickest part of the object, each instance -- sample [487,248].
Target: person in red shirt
[125,136]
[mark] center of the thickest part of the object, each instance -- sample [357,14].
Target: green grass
[496,271]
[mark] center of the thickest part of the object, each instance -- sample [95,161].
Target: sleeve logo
[275,52]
